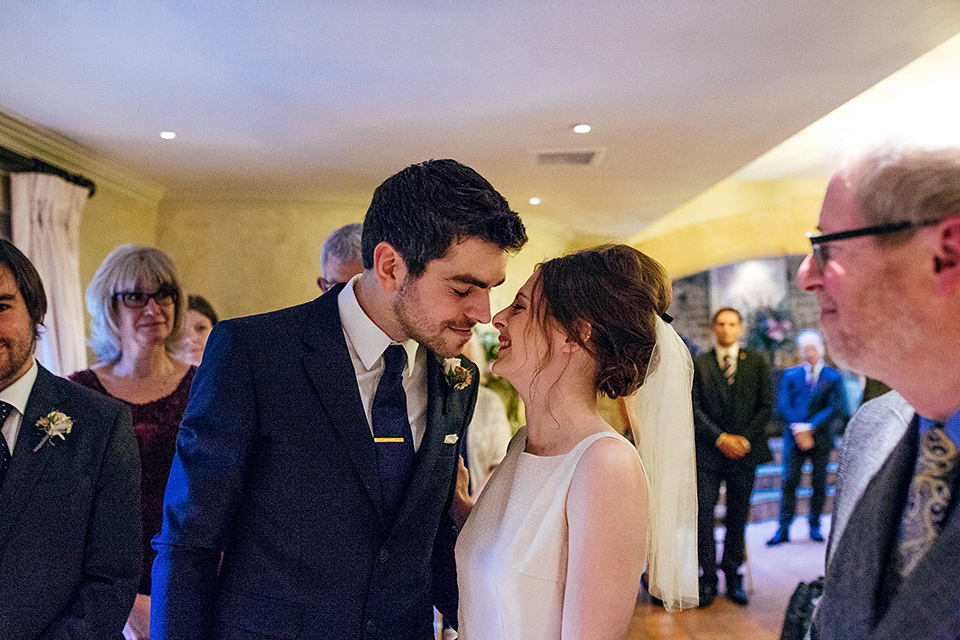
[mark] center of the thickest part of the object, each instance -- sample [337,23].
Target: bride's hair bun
[617,292]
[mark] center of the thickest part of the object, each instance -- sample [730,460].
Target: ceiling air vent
[581,157]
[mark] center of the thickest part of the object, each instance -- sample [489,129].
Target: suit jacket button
[371,625]
[384,555]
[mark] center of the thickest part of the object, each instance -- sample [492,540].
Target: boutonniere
[458,376]
[54,424]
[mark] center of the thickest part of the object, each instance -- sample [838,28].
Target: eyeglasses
[164,296]
[819,242]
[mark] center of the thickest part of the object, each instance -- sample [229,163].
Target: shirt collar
[733,351]
[951,426]
[18,393]
[368,340]
[815,369]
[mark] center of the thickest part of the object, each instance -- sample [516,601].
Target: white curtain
[46,227]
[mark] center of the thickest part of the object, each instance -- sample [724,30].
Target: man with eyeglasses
[886,272]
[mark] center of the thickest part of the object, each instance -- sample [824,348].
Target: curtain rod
[13,161]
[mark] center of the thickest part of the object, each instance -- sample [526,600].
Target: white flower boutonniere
[54,424]
[458,376]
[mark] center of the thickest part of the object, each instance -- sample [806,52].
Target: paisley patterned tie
[928,498]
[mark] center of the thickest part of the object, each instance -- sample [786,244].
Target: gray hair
[124,268]
[343,245]
[897,181]
[810,336]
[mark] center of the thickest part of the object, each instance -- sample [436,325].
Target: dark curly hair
[424,209]
[618,292]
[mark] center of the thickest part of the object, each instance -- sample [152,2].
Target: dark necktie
[5,410]
[728,369]
[928,498]
[391,430]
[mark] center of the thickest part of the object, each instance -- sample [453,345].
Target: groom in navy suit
[318,453]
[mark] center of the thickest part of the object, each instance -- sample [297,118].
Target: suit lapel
[327,362]
[27,465]
[445,413]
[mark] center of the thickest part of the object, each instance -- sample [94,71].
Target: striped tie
[928,498]
[728,369]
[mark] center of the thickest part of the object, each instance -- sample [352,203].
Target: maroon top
[155,425]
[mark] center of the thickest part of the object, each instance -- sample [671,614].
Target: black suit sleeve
[763,410]
[204,489]
[704,426]
[113,554]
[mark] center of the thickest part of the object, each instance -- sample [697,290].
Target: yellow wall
[734,221]
[251,254]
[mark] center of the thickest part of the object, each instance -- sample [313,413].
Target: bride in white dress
[555,546]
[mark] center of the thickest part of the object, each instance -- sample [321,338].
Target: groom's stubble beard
[436,335]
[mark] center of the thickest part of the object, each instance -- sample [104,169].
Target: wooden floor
[775,573]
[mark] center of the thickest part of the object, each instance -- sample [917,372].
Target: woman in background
[138,310]
[556,543]
[201,318]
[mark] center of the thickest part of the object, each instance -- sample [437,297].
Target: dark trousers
[793,458]
[739,483]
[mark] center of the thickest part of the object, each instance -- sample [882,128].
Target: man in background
[811,400]
[886,272]
[70,540]
[340,257]
[732,403]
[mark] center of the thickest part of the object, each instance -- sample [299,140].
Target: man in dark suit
[811,400]
[69,486]
[732,403]
[325,484]
[886,272]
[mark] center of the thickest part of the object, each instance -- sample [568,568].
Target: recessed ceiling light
[534,200]
[581,128]
[168,135]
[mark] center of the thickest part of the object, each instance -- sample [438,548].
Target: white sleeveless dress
[512,551]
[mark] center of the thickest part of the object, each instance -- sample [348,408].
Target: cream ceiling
[330,97]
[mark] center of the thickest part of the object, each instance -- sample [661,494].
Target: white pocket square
[451,438]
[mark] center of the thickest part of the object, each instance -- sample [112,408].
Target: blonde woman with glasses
[138,310]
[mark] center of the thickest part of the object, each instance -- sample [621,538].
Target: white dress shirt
[17,395]
[733,351]
[366,343]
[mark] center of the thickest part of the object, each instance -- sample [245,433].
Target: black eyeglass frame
[821,253]
[163,292]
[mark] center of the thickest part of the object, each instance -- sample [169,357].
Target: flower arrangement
[458,376]
[771,331]
[55,424]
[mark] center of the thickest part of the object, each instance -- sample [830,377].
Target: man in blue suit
[811,400]
[318,452]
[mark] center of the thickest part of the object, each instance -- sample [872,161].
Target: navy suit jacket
[743,408]
[276,468]
[876,466]
[70,541]
[820,406]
